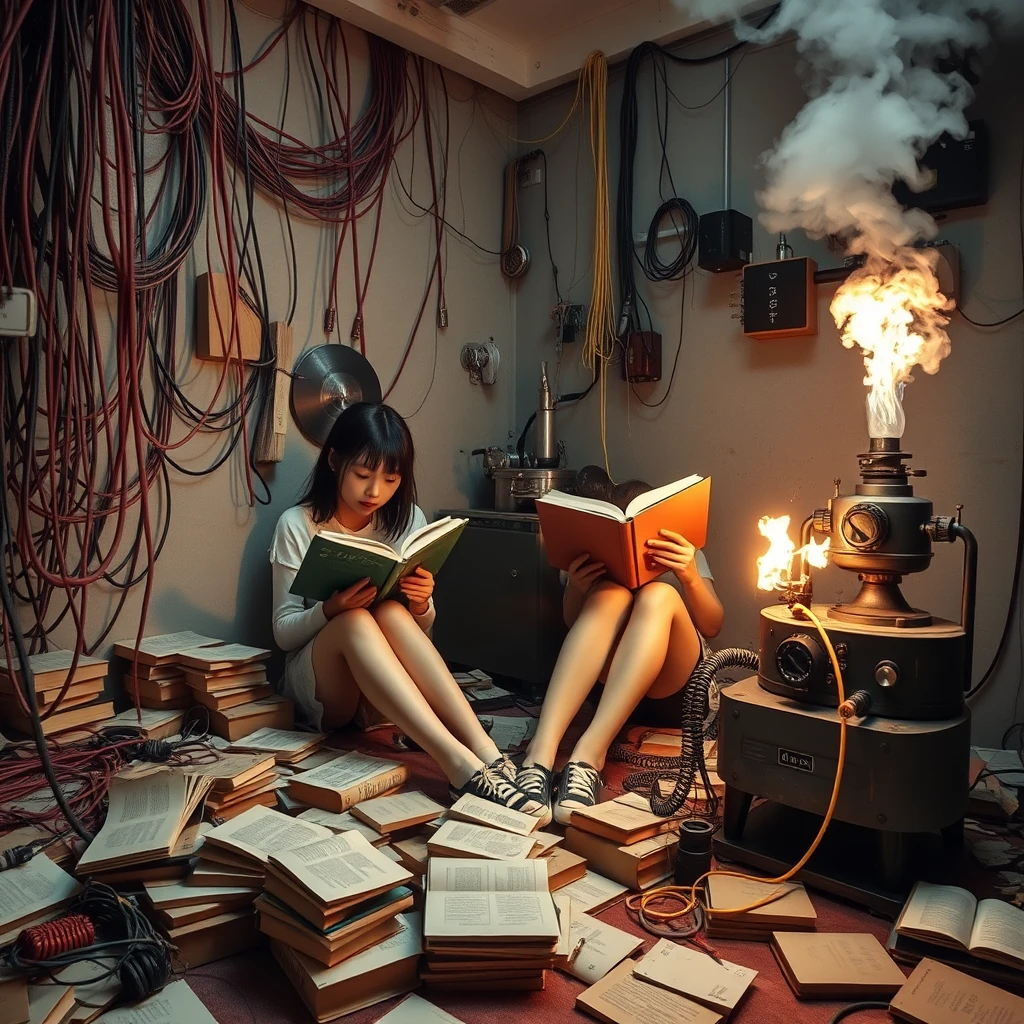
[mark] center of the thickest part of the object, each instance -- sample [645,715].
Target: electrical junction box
[18,313]
[780,299]
[725,240]
[958,173]
[641,360]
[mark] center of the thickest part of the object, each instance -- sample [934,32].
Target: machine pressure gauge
[799,659]
[865,526]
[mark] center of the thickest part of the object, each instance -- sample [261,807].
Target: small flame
[894,311]
[775,566]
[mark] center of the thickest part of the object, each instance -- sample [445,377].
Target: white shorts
[298,684]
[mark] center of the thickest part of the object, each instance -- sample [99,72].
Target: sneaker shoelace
[582,783]
[495,786]
[534,782]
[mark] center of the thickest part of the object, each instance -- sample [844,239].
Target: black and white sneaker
[506,766]
[537,782]
[490,783]
[578,786]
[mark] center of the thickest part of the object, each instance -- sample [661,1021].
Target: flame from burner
[775,566]
[893,309]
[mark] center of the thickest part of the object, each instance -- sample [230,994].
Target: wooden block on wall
[274,427]
[213,322]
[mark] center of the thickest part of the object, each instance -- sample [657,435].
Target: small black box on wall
[641,360]
[780,299]
[958,170]
[725,240]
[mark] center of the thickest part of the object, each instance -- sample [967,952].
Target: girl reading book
[348,646]
[643,645]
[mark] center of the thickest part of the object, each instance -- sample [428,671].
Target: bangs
[389,452]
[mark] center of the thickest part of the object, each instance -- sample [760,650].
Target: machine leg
[734,815]
[953,836]
[894,857]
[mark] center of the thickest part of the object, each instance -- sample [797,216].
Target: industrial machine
[905,778]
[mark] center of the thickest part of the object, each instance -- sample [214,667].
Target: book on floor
[163,649]
[146,815]
[173,1004]
[50,671]
[592,947]
[269,713]
[414,854]
[248,840]
[950,916]
[488,902]
[485,812]
[719,985]
[30,890]
[155,724]
[378,973]
[232,771]
[334,561]
[463,839]
[387,814]
[790,910]
[61,721]
[215,938]
[620,998]
[347,780]
[572,526]
[937,994]
[637,865]
[322,879]
[222,657]
[593,892]
[231,698]
[416,1010]
[625,819]
[289,746]
[343,822]
[564,867]
[836,965]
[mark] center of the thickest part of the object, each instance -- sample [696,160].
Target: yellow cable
[599,336]
[687,894]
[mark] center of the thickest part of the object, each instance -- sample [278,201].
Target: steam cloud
[883,88]
[879,99]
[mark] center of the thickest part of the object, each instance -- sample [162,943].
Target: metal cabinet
[499,603]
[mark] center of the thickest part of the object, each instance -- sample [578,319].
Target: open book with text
[334,561]
[572,526]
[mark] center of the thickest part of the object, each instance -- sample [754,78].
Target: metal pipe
[805,539]
[727,133]
[968,595]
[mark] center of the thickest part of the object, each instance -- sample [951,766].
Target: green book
[334,561]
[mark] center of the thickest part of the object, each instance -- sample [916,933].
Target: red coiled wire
[45,941]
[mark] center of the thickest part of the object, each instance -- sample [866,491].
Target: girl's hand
[359,595]
[417,587]
[675,552]
[583,574]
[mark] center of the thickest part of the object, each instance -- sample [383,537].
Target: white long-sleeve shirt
[295,621]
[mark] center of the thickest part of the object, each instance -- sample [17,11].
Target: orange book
[572,526]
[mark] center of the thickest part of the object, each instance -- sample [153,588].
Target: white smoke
[879,99]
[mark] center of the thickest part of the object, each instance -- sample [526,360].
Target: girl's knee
[389,612]
[348,623]
[611,595]
[660,596]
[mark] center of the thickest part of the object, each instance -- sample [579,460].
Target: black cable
[845,1011]
[656,269]
[994,323]
[675,361]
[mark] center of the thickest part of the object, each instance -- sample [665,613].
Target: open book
[949,916]
[334,561]
[573,526]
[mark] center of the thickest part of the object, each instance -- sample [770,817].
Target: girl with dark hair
[643,645]
[347,646]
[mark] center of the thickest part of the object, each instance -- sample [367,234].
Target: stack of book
[224,679]
[239,781]
[152,671]
[837,965]
[398,815]
[625,841]
[346,780]
[152,827]
[289,746]
[67,700]
[386,969]
[333,898]
[151,723]
[791,910]
[488,924]
[32,893]
[177,905]
[944,923]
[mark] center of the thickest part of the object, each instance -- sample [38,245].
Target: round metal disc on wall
[325,382]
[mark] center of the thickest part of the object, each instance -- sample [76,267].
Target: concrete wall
[774,422]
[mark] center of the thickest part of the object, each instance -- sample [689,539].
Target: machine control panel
[865,526]
[800,659]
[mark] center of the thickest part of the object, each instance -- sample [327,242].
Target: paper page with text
[999,926]
[601,945]
[172,1005]
[939,910]
[480,841]
[486,812]
[695,974]
[31,889]
[346,771]
[459,874]
[340,867]
[261,831]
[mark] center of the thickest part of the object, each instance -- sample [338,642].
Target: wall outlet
[531,176]
[18,313]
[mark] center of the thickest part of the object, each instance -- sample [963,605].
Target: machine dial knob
[799,658]
[865,526]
